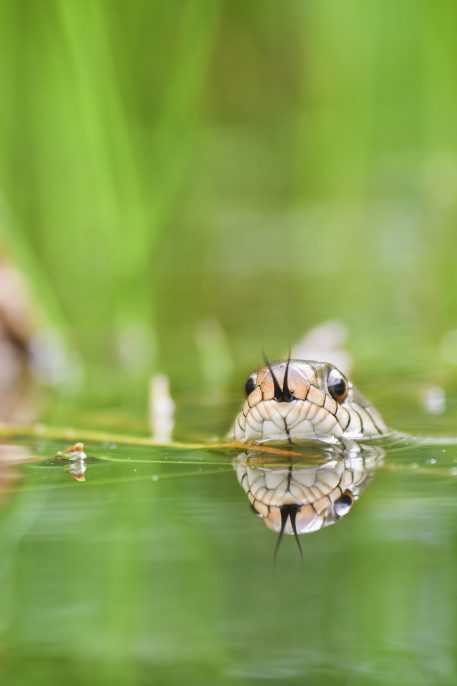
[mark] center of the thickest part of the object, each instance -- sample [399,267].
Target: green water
[154,570]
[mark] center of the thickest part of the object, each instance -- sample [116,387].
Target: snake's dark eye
[343,504]
[337,385]
[251,384]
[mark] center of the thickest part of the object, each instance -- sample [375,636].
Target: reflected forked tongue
[288,512]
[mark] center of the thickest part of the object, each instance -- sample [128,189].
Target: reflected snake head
[308,493]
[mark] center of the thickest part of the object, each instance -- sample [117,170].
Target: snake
[298,401]
[293,400]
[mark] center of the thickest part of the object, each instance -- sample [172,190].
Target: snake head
[292,400]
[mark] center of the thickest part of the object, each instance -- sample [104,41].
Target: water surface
[154,570]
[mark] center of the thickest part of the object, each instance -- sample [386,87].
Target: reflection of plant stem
[109,482]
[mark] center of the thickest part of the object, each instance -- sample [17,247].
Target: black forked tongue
[281,394]
[288,512]
[286,394]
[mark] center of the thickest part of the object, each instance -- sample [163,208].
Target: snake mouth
[277,420]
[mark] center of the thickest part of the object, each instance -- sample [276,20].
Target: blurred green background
[185,176]
[182,185]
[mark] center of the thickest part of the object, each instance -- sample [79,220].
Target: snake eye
[251,384]
[337,385]
[343,504]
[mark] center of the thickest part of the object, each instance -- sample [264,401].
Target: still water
[155,570]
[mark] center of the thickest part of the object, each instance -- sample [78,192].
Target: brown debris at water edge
[76,457]
[74,452]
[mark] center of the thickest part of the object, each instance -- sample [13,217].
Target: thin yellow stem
[75,435]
